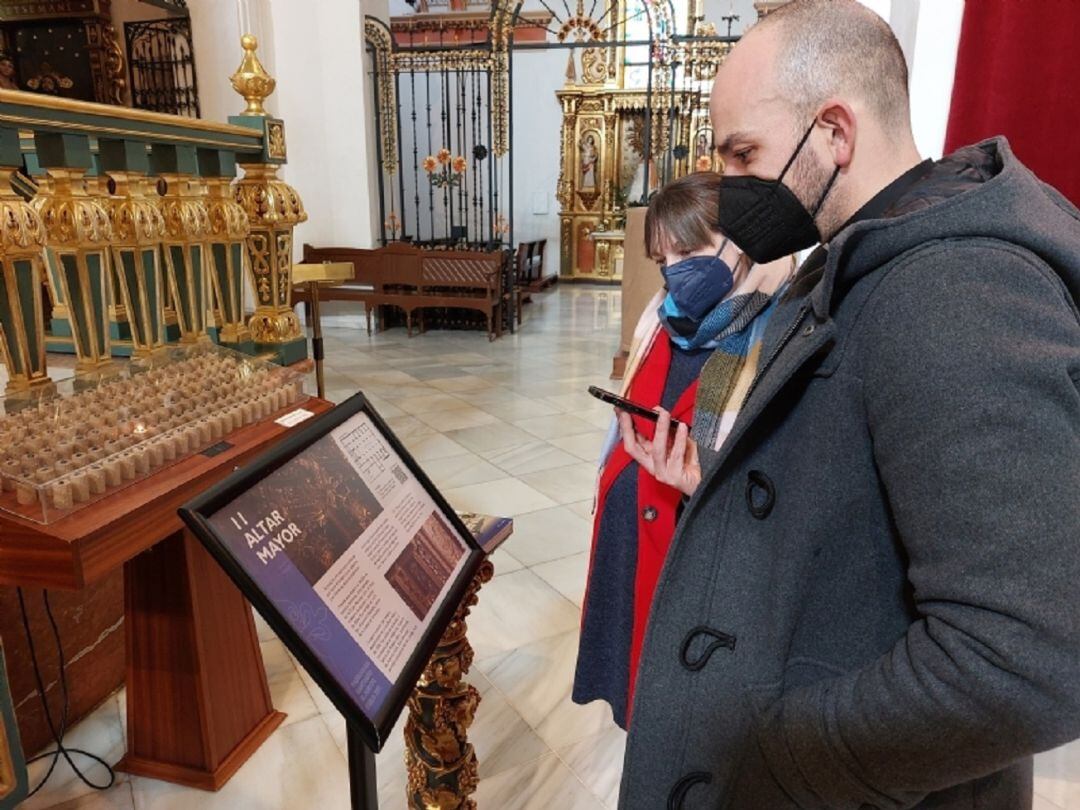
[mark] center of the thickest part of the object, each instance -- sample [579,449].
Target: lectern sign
[351,555]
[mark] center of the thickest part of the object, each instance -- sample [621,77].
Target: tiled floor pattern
[504,428]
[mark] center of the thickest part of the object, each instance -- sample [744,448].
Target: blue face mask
[697,284]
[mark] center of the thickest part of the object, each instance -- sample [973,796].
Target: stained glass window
[657,19]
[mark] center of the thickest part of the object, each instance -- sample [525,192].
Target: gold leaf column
[138,230]
[22,272]
[273,210]
[187,227]
[79,232]
[229,228]
[441,762]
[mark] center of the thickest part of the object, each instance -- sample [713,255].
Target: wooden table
[198,703]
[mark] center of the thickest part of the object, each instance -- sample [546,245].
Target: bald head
[837,48]
[815,95]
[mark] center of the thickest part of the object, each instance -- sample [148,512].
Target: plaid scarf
[733,331]
[727,374]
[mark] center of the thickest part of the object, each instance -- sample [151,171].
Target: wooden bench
[410,279]
[530,266]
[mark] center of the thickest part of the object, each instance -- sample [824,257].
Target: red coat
[657,503]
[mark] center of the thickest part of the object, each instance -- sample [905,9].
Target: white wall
[315,51]
[319,54]
[380,9]
[537,127]
[215,31]
[929,33]
[933,67]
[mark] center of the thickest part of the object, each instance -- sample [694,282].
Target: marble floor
[503,428]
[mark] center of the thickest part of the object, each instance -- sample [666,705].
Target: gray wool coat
[873,599]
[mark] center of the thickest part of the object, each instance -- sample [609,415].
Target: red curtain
[1018,75]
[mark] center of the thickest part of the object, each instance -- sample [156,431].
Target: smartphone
[627,405]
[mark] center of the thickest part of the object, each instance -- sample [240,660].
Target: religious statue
[589,157]
[49,81]
[7,73]
[703,145]
[703,151]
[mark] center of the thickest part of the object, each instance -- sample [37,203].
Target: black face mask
[765,218]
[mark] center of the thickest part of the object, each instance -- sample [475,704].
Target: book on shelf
[489,531]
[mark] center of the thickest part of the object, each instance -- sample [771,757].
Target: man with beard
[871,600]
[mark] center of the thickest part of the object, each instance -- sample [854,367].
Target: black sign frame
[197,512]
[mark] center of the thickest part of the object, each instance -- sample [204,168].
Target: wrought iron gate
[442,115]
[162,64]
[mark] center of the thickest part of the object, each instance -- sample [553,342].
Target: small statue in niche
[7,73]
[589,156]
[703,146]
[703,151]
[48,81]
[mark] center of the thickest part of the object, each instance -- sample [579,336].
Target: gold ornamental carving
[593,66]
[229,229]
[436,61]
[441,762]
[273,209]
[502,29]
[379,38]
[227,218]
[21,230]
[22,267]
[267,200]
[251,79]
[115,68]
[184,208]
[187,227]
[138,288]
[135,210]
[78,236]
[275,140]
[72,218]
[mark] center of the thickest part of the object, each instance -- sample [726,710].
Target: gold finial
[251,79]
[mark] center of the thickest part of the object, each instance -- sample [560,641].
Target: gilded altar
[604,170]
[634,117]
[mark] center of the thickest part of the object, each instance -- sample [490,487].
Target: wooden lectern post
[197,697]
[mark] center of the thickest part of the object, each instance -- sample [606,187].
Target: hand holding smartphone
[631,407]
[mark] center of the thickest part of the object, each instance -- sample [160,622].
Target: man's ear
[838,119]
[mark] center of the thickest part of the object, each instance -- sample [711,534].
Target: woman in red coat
[706,323]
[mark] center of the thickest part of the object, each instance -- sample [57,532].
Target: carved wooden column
[22,271]
[273,210]
[79,233]
[187,228]
[441,761]
[229,229]
[138,229]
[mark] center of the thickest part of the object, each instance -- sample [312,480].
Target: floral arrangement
[392,224]
[443,170]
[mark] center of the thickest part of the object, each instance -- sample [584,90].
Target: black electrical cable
[58,736]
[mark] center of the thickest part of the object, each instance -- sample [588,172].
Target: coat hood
[979,191]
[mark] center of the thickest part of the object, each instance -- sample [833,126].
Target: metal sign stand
[328,274]
[363,785]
